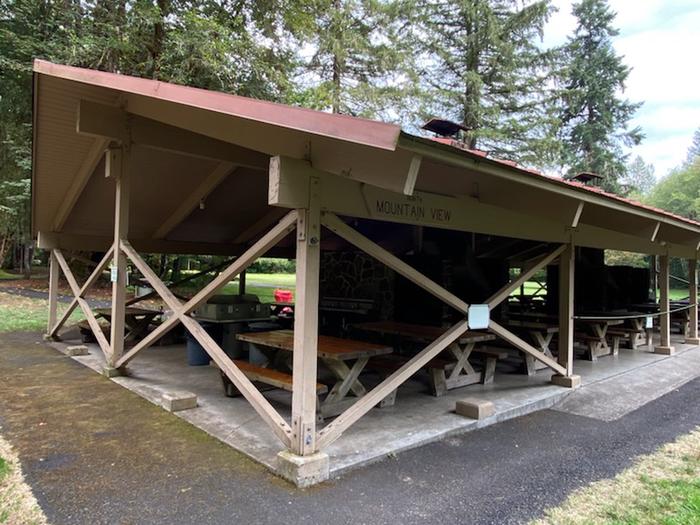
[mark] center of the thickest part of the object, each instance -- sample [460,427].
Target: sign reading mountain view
[412,209]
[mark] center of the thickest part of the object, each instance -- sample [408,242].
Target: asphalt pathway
[96,453]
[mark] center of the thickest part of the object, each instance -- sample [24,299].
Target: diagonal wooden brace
[271,238]
[333,431]
[88,283]
[261,405]
[84,306]
[518,343]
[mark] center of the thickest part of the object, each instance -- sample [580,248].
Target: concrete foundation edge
[303,471]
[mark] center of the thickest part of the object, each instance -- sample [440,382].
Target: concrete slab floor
[611,387]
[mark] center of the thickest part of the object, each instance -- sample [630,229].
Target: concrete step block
[474,408]
[174,401]
[76,350]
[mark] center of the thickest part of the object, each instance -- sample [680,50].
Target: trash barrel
[196,354]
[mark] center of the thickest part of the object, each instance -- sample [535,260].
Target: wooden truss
[333,431]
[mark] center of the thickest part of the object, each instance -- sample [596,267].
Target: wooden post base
[110,371]
[664,350]
[303,471]
[572,381]
[692,340]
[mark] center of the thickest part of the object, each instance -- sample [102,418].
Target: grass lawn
[662,488]
[23,313]
[264,284]
[17,503]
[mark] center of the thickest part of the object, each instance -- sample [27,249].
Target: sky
[660,41]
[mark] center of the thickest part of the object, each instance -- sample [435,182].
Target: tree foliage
[679,192]
[594,117]
[694,149]
[639,178]
[480,64]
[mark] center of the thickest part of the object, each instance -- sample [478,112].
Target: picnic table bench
[136,320]
[333,352]
[595,338]
[444,373]
[541,334]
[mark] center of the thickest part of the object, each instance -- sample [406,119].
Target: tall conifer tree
[480,65]
[595,117]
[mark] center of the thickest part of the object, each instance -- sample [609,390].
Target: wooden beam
[216,177]
[355,238]
[263,224]
[664,305]
[53,293]
[692,335]
[92,159]
[333,431]
[655,231]
[118,168]
[504,292]
[110,122]
[518,343]
[276,234]
[577,215]
[566,309]
[56,326]
[84,306]
[305,353]
[412,175]
[345,196]
[261,405]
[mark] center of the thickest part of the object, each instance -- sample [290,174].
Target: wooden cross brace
[78,299]
[180,315]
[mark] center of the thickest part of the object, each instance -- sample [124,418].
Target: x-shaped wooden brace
[180,315]
[462,366]
[79,300]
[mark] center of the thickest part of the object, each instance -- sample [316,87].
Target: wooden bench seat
[631,335]
[264,375]
[438,368]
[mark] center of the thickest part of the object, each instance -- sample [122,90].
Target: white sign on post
[478,316]
[113,273]
[650,322]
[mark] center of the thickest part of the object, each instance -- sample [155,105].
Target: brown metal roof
[197,135]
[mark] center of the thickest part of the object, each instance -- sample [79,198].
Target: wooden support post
[306,324]
[117,167]
[692,336]
[53,293]
[566,311]
[664,305]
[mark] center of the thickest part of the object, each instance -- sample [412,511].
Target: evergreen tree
[480,65]
[639,179]
[694,149]
[350,59]
[594,117]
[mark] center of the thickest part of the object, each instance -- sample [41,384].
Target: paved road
[96,453]
[42,294]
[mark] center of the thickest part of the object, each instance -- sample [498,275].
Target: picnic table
[541,334]
[136,320]
[335,353]
[596,340]
[444,374]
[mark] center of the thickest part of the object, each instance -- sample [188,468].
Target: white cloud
[660,41]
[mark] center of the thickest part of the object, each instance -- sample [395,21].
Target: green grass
[7,275]
[662,488]
[271,281]
[21,313]
[4,468]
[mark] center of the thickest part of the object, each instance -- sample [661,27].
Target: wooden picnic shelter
[126,166]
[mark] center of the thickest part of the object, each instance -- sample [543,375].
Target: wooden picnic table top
[328,347]
[128,311]
[533,325]
[420,332]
